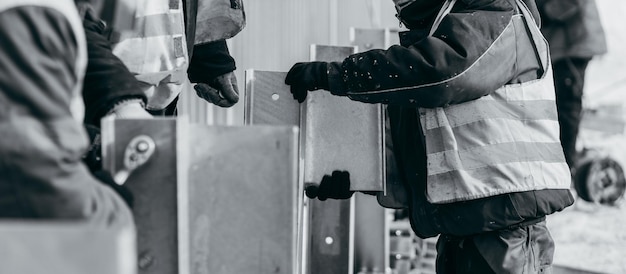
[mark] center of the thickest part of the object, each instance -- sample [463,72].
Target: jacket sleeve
[210,60]
[460,40]
[107,80]
[42,172]
[559,10]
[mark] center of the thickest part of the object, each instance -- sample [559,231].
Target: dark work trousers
[569,81]
[521,250]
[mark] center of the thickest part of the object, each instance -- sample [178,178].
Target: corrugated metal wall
[278,34]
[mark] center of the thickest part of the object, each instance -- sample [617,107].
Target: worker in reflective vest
[474,128]
[41,76]
[139,72]
[170,41]
[575,34]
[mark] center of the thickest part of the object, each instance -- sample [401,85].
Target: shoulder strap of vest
[445,9]
[535,35]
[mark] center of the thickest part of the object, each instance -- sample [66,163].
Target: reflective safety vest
[156,50]
[507,141]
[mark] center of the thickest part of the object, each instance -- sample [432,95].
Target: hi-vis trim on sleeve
[486,74]
[67,8]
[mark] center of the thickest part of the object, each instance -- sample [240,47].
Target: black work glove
[221,91]
[305,77]
[335,186]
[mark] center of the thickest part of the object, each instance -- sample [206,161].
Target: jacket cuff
[209,61]
[336,79]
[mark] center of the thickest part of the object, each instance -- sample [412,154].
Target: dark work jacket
[461,39]
[573,28]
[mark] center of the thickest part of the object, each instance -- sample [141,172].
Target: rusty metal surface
[244,198]
[341,134]
[154,186]
[65,248]
[268,100]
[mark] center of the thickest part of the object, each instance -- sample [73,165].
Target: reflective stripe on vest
[507,141]
[156,50]
[68,9]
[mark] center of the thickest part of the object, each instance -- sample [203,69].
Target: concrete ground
[590,237]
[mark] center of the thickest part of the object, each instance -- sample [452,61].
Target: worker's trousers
[524,250]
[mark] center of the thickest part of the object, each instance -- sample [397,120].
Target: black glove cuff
[321,74]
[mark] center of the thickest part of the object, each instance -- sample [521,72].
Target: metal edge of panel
[182,194]
[351,239]
[304,202]
[108,141]
[383,138]
[299,203]
[248,96]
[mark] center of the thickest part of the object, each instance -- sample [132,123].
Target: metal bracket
[137,152]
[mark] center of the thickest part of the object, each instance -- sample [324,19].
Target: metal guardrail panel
[65,248]
[329,237]
[244,200]
[341,134]
[155,187]
[212,199]
[366,39]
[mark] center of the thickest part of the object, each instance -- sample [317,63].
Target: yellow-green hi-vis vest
[156,50]
[507,141]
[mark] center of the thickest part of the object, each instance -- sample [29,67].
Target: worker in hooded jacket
[474,128]
[42,65]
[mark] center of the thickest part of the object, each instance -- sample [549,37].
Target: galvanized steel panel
[244,200]
[212,199]
[55,247]
[370,229]
[341,134]
[155,187]
[268,100]
[366,39]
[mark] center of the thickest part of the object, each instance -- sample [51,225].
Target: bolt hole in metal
[329,240]
[275,97]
